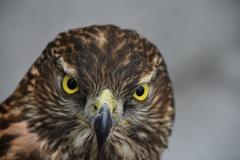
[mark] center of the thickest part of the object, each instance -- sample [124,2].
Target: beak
[103,125]
[105,105]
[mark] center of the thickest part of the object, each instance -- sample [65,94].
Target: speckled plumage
[40,121]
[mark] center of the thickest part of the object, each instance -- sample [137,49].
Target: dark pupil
[71,84]
[140,91]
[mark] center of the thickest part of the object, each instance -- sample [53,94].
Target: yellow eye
[141,93]
[69,85]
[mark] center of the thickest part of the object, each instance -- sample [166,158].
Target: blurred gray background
[200,41]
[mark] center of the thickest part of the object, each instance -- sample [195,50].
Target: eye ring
[69,85]
[141,93]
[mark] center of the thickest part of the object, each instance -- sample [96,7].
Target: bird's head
[100,91]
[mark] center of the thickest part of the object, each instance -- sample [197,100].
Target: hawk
[97,92]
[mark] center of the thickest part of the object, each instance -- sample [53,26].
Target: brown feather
[40,121]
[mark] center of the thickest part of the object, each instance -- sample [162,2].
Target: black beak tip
[103,125]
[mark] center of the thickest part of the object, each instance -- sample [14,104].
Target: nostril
[95,107]
[114,109]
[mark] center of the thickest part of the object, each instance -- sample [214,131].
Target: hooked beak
[103,125]
[105,104]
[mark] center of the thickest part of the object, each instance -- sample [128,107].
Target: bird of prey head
[99,92]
